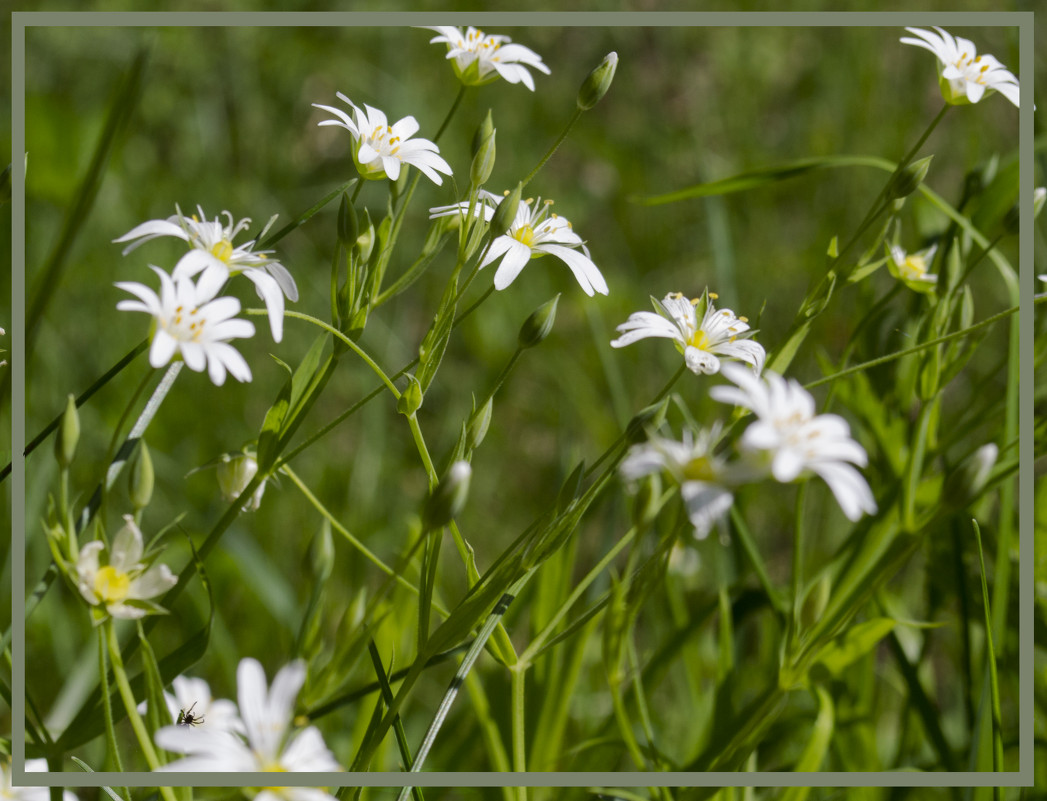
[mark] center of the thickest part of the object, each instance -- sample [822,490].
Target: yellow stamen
[222,250]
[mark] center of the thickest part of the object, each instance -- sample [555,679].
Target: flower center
[700,340]
[111,585]
[524,235]
[914,267]
[222,250]
[185,325]
[700,469]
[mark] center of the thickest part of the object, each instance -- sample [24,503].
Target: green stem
[130,706]
[922,346]
[518,687]
[454,107]
[559,140]
[107,707]
[337,526]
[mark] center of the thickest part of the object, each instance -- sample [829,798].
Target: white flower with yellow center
[911,268]
[719,333]
[124,584]
[191,322]
[792,441]
[964,76]
[265,744]
[380,149]
[535,232]
[213,252]
[702,476]
[479,58]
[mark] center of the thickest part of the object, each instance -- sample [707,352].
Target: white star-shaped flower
[380,149]
[266,743]
[794,441]
[190,321]
[720,332]
[911,268]
[479,58]
[702,476]
[535,232]
[213,252]
[122,585]
[964,76]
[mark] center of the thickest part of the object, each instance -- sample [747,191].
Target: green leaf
[855,643]
[814,752]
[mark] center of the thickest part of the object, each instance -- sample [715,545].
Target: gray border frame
[1023,20]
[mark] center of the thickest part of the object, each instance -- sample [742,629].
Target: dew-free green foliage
[587,628]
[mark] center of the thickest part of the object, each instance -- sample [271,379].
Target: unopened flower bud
[348,225]
[815,601]
[411,398]
[68,434]
[321,553]
[596,84]
[483,130]
[908,180]
[967,481]
[537,327]
[234,474]
[365,241]
[478,424]
[448,499]
[140,479]
[483,162]
[506,212]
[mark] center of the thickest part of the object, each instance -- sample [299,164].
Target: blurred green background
[224,120]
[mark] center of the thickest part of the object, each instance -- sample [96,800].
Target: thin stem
[559,140]
[454,107]
[372,557]
[518,686]
[131,707]
[107,707]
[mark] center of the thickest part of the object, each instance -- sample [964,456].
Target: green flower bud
[140,479]
[448,499]
[483,162]
[506,212]
[321,553]
[411,399]
[596,84]
[815,601]
[234,474]
[478,424]
[483,130]
[365,241]
[68,434]
[908,180]
[348,225]
[537,327]
[967,481]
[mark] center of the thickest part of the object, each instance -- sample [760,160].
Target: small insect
[187,718]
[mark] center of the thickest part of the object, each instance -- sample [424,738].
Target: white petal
[515,259]
[269,290]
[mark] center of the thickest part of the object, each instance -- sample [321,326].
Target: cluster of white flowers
[189,319]
[256,735]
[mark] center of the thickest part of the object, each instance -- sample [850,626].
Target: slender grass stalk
[994,682]
[107,708]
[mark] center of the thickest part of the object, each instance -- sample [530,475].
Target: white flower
[124,583]
[8,792]
[266,744]
[533,233]
[964,76]
[380,149]
[794,440]
[193,697]
[192,322]
[480,58]
[720,332]
[212,251]
[703,477]
[911,269]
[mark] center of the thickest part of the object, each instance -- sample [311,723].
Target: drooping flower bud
[411,398]
[483,130]
[448,499]
[234,474]
[537,327]
[908,180]
[483,162]
[596,84]
[478,424]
